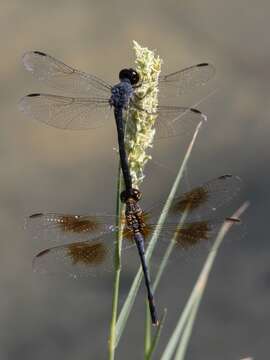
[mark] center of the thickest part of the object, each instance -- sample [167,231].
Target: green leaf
[156,338]
[183,329]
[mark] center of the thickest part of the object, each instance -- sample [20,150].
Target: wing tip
[225,176]
[27,59]
[234,220]
[33,95]
[35,215]
[24,102]
[196,111]
[43,252]
[39,53]
[203,64]
[229,176]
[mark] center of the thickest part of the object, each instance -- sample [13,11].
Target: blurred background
[45,169]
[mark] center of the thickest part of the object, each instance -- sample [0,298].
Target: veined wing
[77,259]
[189,234]
[171,121]
[68,227]
[176,120]
[84,258]
[208,197]
[91,257]
[63,77]
[201,201]
[66,112]
[94,257]
[178,82]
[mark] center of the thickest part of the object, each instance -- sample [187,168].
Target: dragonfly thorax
[134,194]
[121,94]
[133,214]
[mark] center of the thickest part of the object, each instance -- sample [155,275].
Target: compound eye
[134,77]
[129,74]
[124,74]
[136,194]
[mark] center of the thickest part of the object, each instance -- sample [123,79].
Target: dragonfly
[89,240]
[90,95]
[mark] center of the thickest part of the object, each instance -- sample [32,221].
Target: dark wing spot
[227,176]
[36,215]
[191,234]
[233,220]
[43,252]
[87,253]
[196,111]
[40,53]
[203,64]
[190,200]
[34,94]
[77,224]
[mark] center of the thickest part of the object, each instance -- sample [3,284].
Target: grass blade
[117,266]
[148,331]
[156,338]
[187,317]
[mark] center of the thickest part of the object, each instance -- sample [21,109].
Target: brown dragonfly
[87,241]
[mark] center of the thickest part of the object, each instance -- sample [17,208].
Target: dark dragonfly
[89,240]
[135,224]
[91,94]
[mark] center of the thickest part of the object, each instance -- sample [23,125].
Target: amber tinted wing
[200,202]
[68,227]
[195,237]
[86,258]
[207,197]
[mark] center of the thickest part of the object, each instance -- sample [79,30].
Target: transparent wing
[201,201]
[86,258]
[57,228]
[176,120]
[178,82]
[66,112]
[191,239]
[63,77]
[172,121]
[94,257]
[208,197]
[190,234]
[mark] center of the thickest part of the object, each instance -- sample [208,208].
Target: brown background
[45,169]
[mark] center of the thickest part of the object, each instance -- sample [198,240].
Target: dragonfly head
[135,195]
[129,74]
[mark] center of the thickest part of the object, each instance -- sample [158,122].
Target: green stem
[148,331]
[117,266]
[156,338]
